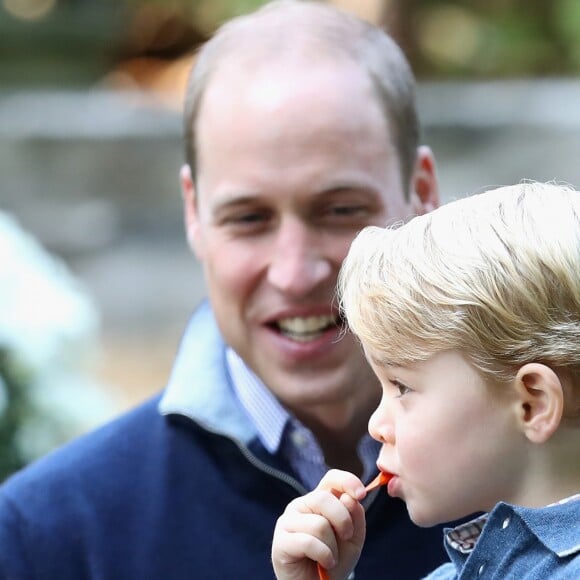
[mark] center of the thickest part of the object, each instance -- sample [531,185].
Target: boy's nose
[381,426]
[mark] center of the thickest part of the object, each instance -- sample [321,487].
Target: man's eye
[250,218]
[348,210]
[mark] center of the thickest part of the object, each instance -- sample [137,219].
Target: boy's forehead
[376,358]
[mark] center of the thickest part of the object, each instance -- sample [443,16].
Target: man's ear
[424,184]
[190,213]
[540,401]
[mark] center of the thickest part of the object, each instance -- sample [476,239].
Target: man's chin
[301,389]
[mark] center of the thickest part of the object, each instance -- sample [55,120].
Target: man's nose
[298,263]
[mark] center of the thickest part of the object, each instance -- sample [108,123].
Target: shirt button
[481,569]
[299,439]
[505,523]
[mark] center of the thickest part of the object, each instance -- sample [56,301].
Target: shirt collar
[556,525]
[201,363]
[545,523]
[263,408]
[464,537]
[279,431]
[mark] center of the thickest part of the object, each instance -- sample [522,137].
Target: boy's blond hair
[495,275]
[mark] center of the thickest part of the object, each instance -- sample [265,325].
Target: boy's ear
[424,186]
[540,400]
[190,214]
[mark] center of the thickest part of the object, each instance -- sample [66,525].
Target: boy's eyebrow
[380,362]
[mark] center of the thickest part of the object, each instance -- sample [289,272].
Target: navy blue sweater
[169,496]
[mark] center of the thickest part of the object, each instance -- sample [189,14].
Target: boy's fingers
[322,514]
[339,482]
[325,527]
[296,546]
[358,518]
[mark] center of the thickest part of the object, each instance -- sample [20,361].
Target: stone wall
[95,177]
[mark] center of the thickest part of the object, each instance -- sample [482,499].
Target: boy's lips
[393,486]
[390,478]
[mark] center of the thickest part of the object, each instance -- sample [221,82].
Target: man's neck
[340,441]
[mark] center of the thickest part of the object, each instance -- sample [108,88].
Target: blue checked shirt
[280,432]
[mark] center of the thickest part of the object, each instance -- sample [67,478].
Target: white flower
[49,328]
[43,309]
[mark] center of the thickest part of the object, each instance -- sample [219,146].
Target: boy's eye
[403,389]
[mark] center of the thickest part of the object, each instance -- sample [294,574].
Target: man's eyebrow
[346,186]
[233,199]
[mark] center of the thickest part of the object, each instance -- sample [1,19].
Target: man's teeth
[306,328]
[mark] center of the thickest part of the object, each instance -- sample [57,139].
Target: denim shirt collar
[555,526]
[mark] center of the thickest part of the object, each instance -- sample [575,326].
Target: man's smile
[305,328]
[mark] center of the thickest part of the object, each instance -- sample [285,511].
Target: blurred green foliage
[76,42]
[13,415]
[70,43]
[495,38]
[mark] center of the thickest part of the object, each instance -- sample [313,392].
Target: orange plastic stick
[380,479]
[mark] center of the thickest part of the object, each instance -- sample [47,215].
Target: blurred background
[90,149]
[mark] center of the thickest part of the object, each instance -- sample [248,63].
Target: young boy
[470,317]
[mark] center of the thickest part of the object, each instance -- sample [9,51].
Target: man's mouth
[307,328]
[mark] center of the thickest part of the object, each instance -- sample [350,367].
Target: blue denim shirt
[518,542]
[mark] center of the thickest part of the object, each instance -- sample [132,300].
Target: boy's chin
[424,519]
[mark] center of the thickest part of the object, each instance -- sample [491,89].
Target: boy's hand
[326,526]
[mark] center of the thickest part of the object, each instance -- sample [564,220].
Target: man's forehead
[255,63]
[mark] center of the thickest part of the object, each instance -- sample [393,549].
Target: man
[300,130]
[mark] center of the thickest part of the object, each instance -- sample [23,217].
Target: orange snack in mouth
[381,479]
